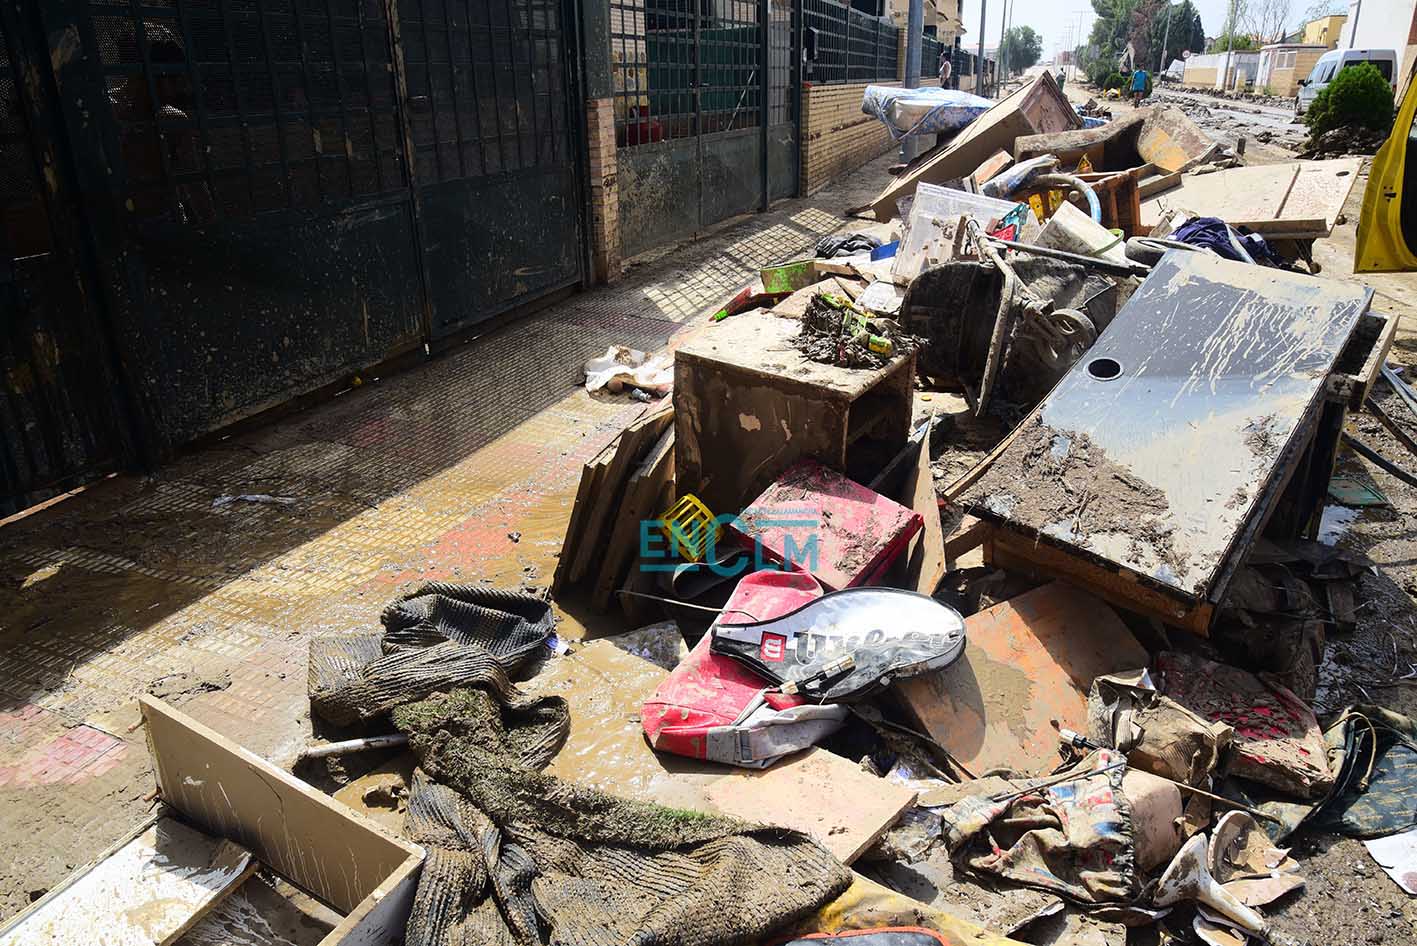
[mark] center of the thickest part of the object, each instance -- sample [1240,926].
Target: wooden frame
[322,846]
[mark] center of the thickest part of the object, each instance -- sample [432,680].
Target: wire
[685,604]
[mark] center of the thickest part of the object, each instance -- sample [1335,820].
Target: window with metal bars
[851,46]
[663,52]
[228,108]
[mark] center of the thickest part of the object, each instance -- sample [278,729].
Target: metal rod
[353,745]
[1400,386]
[1363,450]
[1049,783]
[1403,437]
[1130,268]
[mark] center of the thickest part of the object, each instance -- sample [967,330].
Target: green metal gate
[257,197]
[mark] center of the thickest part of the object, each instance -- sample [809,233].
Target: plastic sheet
[922,111]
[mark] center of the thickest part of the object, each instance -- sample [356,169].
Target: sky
[1057,20]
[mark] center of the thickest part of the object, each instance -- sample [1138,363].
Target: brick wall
[836,136]
[604,192]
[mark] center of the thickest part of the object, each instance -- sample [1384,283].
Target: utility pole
[914,29]
[1165,38]
[1009,22]
[979,63]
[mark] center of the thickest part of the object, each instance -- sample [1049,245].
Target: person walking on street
[1062,77]
[1139,78]
[945,69]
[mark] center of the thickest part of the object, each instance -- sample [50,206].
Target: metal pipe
[353,745]
[1130,268]
[1165,38]
[1363,450]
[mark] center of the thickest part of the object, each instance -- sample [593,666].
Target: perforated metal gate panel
[61,413]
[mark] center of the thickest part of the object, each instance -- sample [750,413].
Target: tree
[1021,48]
[1225,42]
[1267,20]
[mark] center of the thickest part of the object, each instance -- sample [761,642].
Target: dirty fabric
[836,245]
[1215,234]
[1158,734]
[523,857]
[439,637]
[1076,839]
[516,856]
[1375,789]
[1277,741]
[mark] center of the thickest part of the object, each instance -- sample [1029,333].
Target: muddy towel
[516,856]
[440,637]
[1073,839]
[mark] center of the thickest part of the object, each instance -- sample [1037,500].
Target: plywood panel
[146,893]
[316,842]
[1026,661]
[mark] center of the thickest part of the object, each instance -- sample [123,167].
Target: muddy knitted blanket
[519,857]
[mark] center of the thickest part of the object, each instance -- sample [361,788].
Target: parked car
[1335,59]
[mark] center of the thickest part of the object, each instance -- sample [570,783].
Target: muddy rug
[516,856]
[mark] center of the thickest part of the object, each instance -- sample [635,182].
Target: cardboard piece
[820,794]
[1037,107]
[1026,661]
[342,858]
[606,749]
[146,893]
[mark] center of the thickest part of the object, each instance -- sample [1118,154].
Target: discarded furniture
[1150,469]
[1026,661]
[318,844]
[748,404]
[1161,137]
[1300,200]
[631,479]
[1032,109]
[849,535]
[815,791]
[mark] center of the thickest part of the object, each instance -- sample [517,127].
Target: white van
[1335,59]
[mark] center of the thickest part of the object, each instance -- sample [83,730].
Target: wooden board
[641,497]
[345,860]
[146,893]
[927,551]
[606,749]
[592,474]
[1026,661]
[820,794]
[1297,200]
[630,446]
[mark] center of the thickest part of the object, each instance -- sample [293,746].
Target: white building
[1383,24]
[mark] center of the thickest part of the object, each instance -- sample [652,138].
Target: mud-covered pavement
[461,469]
[464,469]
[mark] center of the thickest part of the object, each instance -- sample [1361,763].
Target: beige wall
[836,135]
[1324,31]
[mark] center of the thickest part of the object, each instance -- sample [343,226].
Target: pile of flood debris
[1065,695]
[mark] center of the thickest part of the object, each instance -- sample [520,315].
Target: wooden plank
[1026,661]
[1158,183]
[927,552]
[820,794]
[147,893]
[591,475]
[344,859]
[1011,552]
[629,446]
[641,494]
[1238,195]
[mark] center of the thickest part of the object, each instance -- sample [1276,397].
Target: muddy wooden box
[748,404]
